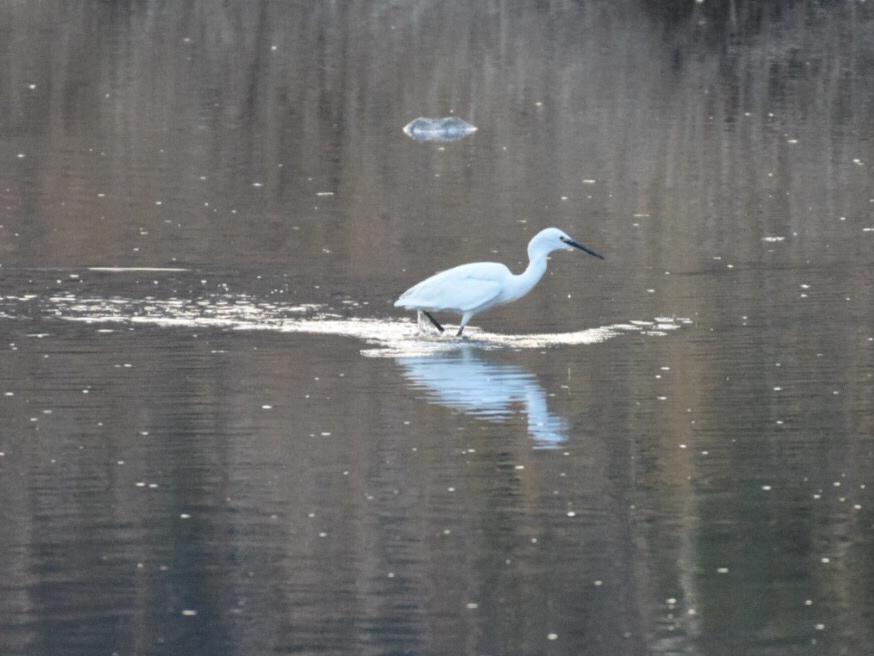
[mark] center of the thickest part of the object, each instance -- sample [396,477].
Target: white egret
[473,288]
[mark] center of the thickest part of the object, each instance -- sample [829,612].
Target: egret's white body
[473,288]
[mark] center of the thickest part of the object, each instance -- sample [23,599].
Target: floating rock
[439,129]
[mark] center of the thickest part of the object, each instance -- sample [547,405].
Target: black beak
[571,242]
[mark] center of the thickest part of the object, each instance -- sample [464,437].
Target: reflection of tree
[732,17]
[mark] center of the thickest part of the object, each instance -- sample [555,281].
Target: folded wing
[470,287]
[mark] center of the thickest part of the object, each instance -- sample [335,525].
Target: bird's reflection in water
[468,383]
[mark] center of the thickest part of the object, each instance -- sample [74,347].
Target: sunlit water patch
[384,337]
[450,128]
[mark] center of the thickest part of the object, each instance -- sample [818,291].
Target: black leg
[458,334]
[433,320]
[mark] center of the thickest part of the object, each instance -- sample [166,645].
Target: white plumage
[473,288]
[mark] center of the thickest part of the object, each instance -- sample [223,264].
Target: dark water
[219,437]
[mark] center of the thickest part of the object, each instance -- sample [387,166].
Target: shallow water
[220,437]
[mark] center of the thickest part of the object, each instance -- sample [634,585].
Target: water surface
[220,437]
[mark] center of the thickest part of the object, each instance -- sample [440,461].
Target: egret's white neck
[525,281]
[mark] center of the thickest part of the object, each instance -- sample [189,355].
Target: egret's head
[553,239]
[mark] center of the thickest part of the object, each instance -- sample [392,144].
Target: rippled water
[220,437]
